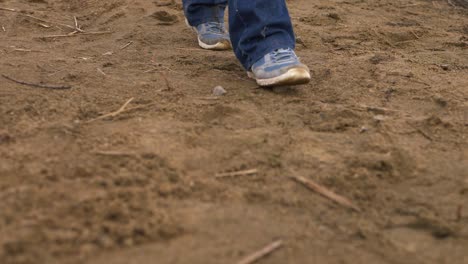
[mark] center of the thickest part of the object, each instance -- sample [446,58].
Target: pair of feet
[277,68]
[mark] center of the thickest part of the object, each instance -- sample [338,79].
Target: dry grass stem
[20,12]
[236,173]
[256,256]
[325,192]
[113,114]
[75,33]
[126,45]
[38,85]
[101,72]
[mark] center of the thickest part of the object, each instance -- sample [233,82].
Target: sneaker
[212,36]
[280,67]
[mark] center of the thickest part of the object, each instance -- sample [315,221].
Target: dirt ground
[383,123]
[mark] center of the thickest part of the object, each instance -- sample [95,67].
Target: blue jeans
[256,27]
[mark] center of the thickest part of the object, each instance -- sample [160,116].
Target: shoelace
[214,27]
[282,55]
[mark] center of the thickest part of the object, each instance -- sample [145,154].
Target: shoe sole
[223,45]
[295,76]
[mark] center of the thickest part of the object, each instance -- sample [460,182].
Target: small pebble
[299,40]
[334,16]
[440,101]
[379,118]
[219,91]
[445,67]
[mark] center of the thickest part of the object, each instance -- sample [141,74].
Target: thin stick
[29,50]
[44,25]
[168,85]
[126,45]
[416,35]
[73,34]
[55,72]
[113,114]
[236,173]
[207,98]
[77,26]
[139,107]
[33,17]
[324,192]
[46,21]
[76,22]
[256,256]
[56,87]
[383,38]
[164,67]
[424,134]
[8,9]
[101,72]
[4,30]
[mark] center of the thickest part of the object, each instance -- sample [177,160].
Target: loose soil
[383,122]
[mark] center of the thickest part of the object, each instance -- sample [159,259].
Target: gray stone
[219,91]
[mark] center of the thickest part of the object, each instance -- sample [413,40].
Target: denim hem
[197,22]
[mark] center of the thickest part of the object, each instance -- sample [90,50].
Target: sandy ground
[383,123]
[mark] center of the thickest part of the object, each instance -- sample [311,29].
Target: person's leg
[258,27]
[202,11]
[263,40]
[207,18]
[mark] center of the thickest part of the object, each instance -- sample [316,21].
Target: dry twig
[139,107]
[56,87]
[236,173]
[101,71]
[74,34]
[155,68]
[44,25]
[414,34]
[325,192]
[28,50]
[384,38]
[21,13]
[254,257]
[77,27]
[211,98]
[422,132]
[9,9]
[126,45]
[113,114]
[168,85]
